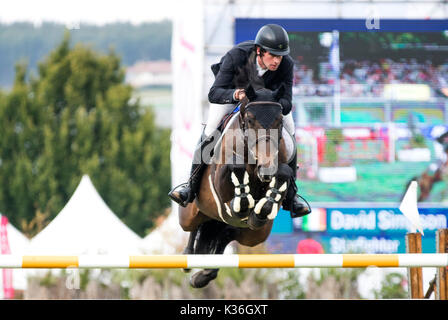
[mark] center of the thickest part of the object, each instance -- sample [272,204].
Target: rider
[269,52]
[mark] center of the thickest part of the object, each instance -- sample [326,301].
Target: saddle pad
[290,144]
[228,125]
[287,137]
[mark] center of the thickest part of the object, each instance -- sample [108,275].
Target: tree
[76,117]
[392,287]
[145,41]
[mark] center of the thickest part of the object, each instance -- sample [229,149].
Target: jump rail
[227,261]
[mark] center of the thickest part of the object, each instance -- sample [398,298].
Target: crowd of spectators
[366,78]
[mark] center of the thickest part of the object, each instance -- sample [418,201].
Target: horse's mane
[247,75]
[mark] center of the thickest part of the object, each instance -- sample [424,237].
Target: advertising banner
[356,229]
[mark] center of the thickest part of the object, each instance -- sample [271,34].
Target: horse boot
[188,192]
[292,202]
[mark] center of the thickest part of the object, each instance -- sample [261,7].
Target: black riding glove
[286,106]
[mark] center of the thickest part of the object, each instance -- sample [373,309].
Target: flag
[8,290]
[316,220]
[334,54]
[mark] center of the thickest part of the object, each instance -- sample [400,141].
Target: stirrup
[177,200]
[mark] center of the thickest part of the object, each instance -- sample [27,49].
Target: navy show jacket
[223,88]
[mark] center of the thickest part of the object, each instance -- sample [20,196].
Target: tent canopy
[168,238]
[86,225]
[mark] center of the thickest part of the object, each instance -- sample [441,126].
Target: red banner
[8,290]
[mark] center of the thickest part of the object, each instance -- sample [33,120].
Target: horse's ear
[279,92]
[250,93]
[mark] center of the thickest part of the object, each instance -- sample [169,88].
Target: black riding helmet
[274,39]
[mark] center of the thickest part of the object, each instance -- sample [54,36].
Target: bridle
[266,137]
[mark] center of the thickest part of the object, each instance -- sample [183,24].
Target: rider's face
[270,61]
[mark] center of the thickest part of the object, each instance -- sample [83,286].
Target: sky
[87,11]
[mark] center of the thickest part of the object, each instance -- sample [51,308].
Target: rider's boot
[187,193]
[292,201]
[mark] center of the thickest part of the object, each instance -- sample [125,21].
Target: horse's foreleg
[267,207]
[242,202]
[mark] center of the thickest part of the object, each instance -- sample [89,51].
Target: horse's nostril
[263,174]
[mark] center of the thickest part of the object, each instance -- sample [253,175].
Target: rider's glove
[286,106]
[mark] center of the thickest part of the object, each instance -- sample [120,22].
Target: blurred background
[102,103]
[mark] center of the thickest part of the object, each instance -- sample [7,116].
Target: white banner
[8,290]
[187,58]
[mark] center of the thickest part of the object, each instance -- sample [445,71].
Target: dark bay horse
[243,187]
[436,172]
[427,180]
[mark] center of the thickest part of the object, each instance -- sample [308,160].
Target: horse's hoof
[256,222]
[202,278]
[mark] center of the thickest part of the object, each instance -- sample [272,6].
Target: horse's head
[262,124]
[261,120]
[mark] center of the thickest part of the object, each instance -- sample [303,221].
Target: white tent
[168,238]
[86,225]
[18,244]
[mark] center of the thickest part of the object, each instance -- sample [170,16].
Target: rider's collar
[260,70]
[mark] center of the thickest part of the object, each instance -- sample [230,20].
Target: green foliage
[236,274]
[290,287]
[346,280]
[75,118]
[147,41]
[334,138]
[393,45]
[48,280]
[392,287]
[350,274]
[417,140]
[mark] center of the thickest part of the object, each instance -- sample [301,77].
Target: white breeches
[217,111]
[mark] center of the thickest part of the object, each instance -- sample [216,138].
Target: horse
[242,189]
[436,172]
[426,181]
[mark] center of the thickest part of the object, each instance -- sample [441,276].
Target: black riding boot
[188,192]
[292,201]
